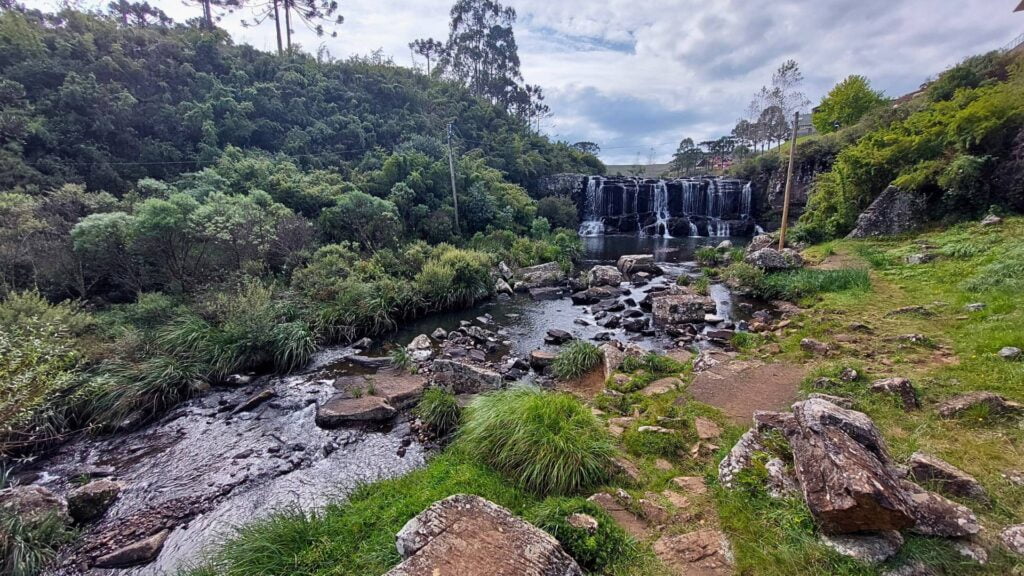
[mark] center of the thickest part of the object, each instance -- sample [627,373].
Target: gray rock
[501,286]
[900,387]
[368,361]
[781,481]
[255,400]
[557,336]
[632,263]
[771,259]
[672,309]
[761,241]
[92,500]
[552,293]
[948,478]
[465,378]
[33,504]
[1013,538]
[971,550]
[919,258]
[740,457]
[541,359]
[141,552]
[540,276]
[912,568]
[1010,353]
[504,271]
[995,403]
[583,522]
[815,347]
[935,515]
[604,276]
[894,212]
[342,410]
[439,334]
[991,220]
[870,548]
[975,307]
[465,534]
[837,400]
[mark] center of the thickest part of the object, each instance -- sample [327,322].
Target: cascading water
[661,208]
[681,207]
[593,224]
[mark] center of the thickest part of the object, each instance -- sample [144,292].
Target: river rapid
[209,466]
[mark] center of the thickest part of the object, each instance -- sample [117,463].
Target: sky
[637,76]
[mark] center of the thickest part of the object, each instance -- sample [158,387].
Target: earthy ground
[740,387]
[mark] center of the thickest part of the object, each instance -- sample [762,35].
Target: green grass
[576,359]
[439,410]
[706,255]
[27,547]
[806,282]
[599,552]
[545,442]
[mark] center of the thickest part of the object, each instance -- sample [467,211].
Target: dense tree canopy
[845,104]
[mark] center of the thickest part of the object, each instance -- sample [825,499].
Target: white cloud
[675,68]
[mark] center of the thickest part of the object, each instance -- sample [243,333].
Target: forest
[176,208]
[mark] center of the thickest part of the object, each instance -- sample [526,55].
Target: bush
[559,211]
[706,255]
[546,442]
[455,278]
[439,410]
[808,282]
[576,359]
[596,552]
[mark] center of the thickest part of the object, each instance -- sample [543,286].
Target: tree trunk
[277,24]
[288,22]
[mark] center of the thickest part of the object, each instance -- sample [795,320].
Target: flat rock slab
[400,390]
[342,410]
[631,523]
[661,386]
[141,552]
[465,535]
[703,553]
[740,388]
[466,378]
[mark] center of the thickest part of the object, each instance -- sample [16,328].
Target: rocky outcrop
[91,501]
[632,263]
[994,403]
[465,534]
[678,308]
[604,276]
[770,259]
[539,276]
[841,465]
[464,378]
[894,212]
[33,504]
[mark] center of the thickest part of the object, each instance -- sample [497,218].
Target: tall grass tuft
[546,442]
[808,282]
[439,410]
[27,546]
[576,359]
[608,546]
[706,255]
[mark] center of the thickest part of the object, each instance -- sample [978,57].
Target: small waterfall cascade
[656,207]
[593,223]
[661,209]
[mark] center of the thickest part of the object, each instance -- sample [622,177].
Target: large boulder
[465,535]
[540,276]
[633,263]
[91,501]
[343,410]
[761,241]
[670,309]
[771,259]
[594,294]
[935,515]
[465,378]
[894,212]
[841,464]
[604,276]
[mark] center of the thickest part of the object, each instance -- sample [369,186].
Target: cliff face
[767,174]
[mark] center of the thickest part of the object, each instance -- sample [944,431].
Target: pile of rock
[860,498]
[763,253]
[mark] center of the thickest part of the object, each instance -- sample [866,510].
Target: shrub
[439,410]
[576,359]
[744,274]
[706,255]
[547,442]
[559,211]
[27,547]
[455,278]
[808,282]
[596,552]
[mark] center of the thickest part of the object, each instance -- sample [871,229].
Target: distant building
[805,128]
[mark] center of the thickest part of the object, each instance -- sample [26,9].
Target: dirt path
[740,387]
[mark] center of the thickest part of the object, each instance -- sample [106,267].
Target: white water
[693,230]
[661,209]
[593,224]
[718,228]
[745,198]
[758,230]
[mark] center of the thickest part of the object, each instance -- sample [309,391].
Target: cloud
[632,74]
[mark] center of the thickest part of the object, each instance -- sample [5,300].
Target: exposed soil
[740,387]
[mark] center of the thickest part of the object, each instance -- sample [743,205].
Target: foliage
[559,211]
[546,442]
[596,552]
[706,255]
[576,359]
[26,548]
[439,410]
[651,443]
[846,104]
[806,282]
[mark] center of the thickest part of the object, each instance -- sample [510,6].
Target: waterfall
[745,201]
[661,208]
[693,229]
[593,224]
[718,228]
[758,230]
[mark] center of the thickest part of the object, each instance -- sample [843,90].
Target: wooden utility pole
[451,169]
[789,183]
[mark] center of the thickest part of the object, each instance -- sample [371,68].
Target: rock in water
[604,276]
[141,552]
[540,276]
[342,410]
[464,535]
[771,259]
[465,378]
[894,212]
[92,500]
[633,263]
[845,481]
